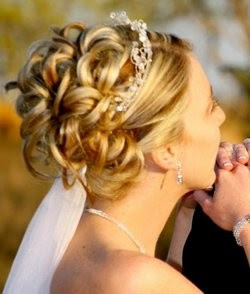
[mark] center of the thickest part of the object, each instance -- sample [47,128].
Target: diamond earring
[179,172]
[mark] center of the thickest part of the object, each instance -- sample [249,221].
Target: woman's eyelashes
[215,103]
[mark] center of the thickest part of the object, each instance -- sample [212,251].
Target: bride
[127,118]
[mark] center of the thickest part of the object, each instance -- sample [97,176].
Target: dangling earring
[179,172]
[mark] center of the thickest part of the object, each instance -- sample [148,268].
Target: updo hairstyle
[67,90]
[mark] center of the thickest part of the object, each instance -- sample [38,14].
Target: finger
[188,201]
[223,159]
[246,143]
[229,147]
[204,200]
[241,154]
[221,175]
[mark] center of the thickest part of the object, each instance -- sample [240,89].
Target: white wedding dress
[46,239]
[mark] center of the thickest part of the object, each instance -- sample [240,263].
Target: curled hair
[67,90]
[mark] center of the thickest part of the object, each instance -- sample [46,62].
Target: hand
[229,155]
[231,200]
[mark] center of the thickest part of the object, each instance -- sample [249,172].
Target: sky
[229,48]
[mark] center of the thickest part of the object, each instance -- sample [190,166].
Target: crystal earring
[179,172]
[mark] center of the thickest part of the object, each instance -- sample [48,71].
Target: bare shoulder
[134,273]
[124,272]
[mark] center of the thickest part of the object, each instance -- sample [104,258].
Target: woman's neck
[144,211]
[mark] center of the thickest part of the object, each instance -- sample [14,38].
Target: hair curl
[68,85]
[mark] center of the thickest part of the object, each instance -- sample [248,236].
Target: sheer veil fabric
[46,239]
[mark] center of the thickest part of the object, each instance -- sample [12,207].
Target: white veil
[46,239]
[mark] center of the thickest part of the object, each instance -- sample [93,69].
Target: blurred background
[219,30]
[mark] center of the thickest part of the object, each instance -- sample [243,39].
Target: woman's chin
[205,182]
[208,185]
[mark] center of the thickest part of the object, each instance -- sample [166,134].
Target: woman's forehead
[198,82]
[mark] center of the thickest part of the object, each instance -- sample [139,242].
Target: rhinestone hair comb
[140,56]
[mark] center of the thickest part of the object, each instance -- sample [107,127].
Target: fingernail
[227,164]
[242,157]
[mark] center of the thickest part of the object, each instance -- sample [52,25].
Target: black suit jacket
[212,260]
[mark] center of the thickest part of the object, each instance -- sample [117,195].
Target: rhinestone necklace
[119,225]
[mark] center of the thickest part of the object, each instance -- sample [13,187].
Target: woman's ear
[165,157]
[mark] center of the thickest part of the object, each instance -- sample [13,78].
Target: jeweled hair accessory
[140,56]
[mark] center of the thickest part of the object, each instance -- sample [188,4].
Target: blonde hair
[68,86]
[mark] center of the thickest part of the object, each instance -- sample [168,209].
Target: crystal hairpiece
[140,56]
